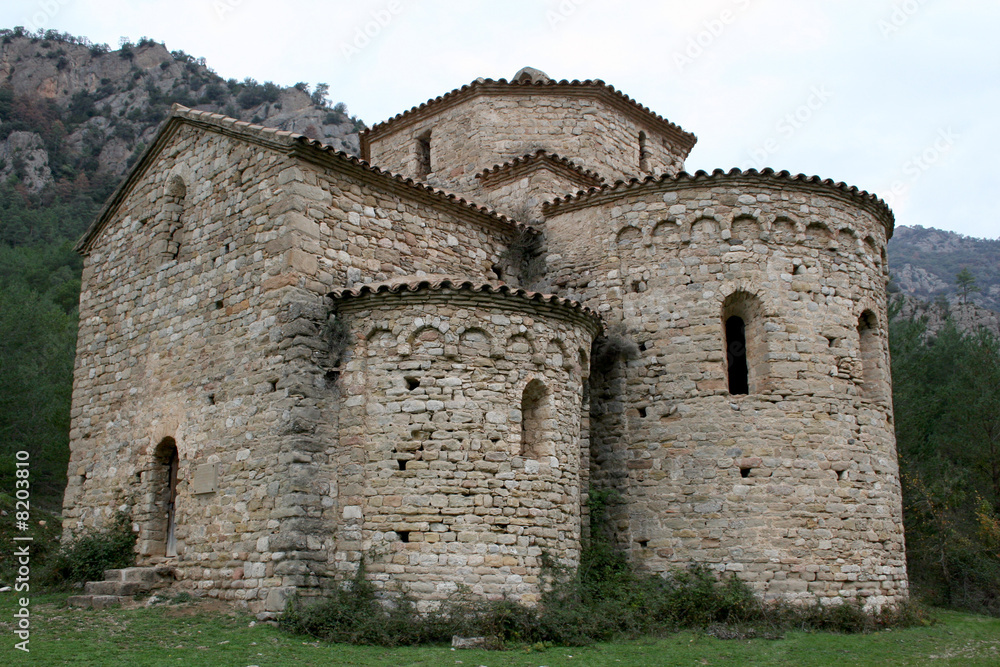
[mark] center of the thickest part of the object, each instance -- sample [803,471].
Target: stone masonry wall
[192,348]
[437,490]
[204,322]
[520,195]
[360,231]
[795,486]
[320,342]
[486,130]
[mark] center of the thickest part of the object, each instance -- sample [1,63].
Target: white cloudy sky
[898,97]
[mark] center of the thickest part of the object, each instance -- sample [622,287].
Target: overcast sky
[897,97]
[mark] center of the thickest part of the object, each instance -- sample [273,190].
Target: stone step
[95,601]
[147,575]
[119,588]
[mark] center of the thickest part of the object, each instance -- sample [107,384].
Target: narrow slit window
[736,356]
[871,353]
[424,154]
[744,345]
[643,153]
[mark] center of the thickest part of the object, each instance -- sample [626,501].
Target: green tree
[37,347]
[966,284]
[946,395]
[319,96]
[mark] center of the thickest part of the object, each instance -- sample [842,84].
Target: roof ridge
[181,111]
[552,83]
[735,172]
[540,154]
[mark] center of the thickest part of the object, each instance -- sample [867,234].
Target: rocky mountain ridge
[924,263]
[67,105]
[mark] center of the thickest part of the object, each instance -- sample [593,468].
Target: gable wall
[486,130]
[193,348]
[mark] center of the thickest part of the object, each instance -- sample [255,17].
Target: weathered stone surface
[338,344]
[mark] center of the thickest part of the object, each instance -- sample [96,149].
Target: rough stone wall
[199,348]
[358,229]
[795,486]
[442,486]
[204,321]
[520,195]
[319,422]
[486,130]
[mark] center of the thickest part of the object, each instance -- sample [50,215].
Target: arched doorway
[164,482]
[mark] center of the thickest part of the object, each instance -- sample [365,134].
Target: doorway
[167,464]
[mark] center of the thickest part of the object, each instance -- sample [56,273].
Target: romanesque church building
[429,358]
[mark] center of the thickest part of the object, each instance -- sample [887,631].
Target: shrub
[354,614]
[604,599]
[88,556]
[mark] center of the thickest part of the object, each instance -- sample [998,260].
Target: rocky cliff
[925,262]
[967,317]
[69,107]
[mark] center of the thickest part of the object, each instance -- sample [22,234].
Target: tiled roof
[542,156]
[438,282]
[280,140]
[865,199]
[685,139]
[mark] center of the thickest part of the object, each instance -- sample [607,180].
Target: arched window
[536,439]
[870,349]
[744,343]
[424,154]
[643,153]
[736,356]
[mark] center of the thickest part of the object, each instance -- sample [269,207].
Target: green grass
[198,634]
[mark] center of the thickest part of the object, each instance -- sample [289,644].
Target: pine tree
[966,284]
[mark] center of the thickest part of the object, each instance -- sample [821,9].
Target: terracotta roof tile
[437,282]
[874,203]
[539,156]
[683,137]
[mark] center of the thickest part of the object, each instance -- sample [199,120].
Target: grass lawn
[206,633]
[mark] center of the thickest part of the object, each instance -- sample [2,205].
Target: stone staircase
[121,585]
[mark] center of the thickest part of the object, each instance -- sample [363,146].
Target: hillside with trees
[926,263]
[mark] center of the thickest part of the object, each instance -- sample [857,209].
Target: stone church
[292,360]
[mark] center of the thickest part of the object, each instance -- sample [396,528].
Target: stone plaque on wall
[206,479]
